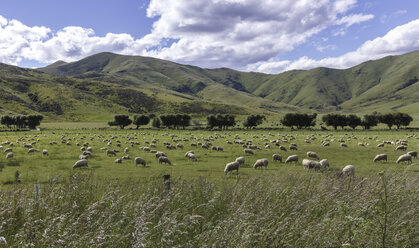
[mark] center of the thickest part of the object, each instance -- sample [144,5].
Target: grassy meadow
[120,205]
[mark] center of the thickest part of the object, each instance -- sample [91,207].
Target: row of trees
[292,120]
[368,121]
[21,121]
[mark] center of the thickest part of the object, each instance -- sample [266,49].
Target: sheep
[27,145]
[241,160]
[343,145]
[80,163]
[110,152]
[312,155]
[90,149]
[277,157]
[380,157]
[348,170]
[248,151]
[139,160]
[293,147]
[232,166]
[292,158]
[125,157]
[126,150]
[260,163]
[31,150]
[164,159]
[404,158]
[159,154]
[8,150]
[118,160]
[45,152]
[324,163]
[192,156]
[401,148]
[311,164]
[282,148]
[83,157]
[413,154]
[9,155]
[380,145]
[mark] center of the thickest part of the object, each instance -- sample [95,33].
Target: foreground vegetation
[291,210]
[120,205]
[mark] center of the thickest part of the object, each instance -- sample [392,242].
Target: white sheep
[232,166]
[277,157]
[80,163]
[343,145]
[126,150]
[248,151]
[292,158]
[192,156]
[263,162]
[164,159]
[348,170]
[139,160]
[404,158]
[8,150]
[324,163]
[311,164]
[118,160]
[401,148]
[110,152]
[83,157]
[241,160]
[9,155]
[380,157]
[413,154]
[45,152]
[312,155]
[31,150]
[159,154]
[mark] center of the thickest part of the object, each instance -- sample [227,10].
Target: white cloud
[399,40]
[208,33]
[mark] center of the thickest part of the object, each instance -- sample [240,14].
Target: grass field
[120,205]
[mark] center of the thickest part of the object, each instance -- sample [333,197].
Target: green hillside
[99,86]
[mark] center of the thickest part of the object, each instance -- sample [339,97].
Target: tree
[34,120]
[156,122]
[141,120]
[253,120]
[353,121]
[120,120]
[402,119]
[335,120]
[221,121]
[369,121]
[299,120]
[388,119]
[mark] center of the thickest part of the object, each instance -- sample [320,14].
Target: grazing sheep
[83,157]
[159,154]
[241,160]
[380,157]
[348,170]
[45,152]
[260,163]
[311,164]
[80,163]
[293,147]
[110,152]
[292,158]
[191,156]
[401,148]
[126,157]
[413,154]
[163,159]
[277,157]
[8,150]
[248,151]
[282,148]
[232,166]
[27,145]
[380,145]
[312,155]
[118,160]
[139,160]
[343,145]
[89,149]
[405,158]
[324,163]
[31,150]
[9,155]
[126,150]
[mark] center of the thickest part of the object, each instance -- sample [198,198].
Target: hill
[99,86]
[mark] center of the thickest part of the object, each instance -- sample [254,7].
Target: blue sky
[249,35]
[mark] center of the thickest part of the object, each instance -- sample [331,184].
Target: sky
[269,36]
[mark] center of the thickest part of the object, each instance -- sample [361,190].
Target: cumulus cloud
[208,33]
[399,40]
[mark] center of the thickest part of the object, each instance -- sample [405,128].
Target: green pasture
[37,168]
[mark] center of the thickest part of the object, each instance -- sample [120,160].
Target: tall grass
[292,210]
